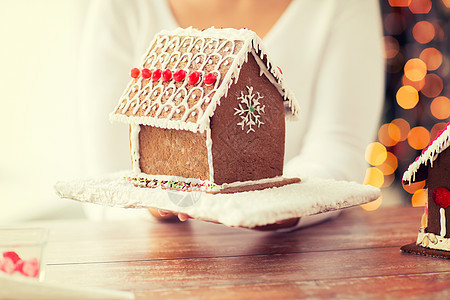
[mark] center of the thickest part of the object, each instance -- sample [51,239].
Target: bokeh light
[420,6]
[440,108]
[418,85]
[389,134]
[375,154]
[419,198]
[418,137]
[414,186]
[433,85]
[394,23]
[388,180]
[399,3]
[404,127]
[391,47]
[436,128]
[407,97]
[390,164]
[374,205]
[415,69]
[423,32]
[432,58]
[374,177]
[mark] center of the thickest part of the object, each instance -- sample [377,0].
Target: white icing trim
[443,225]
[210,156]
[432,241]
[168,44]
[134,141]
[429,155]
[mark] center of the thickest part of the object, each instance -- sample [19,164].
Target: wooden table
[354,256]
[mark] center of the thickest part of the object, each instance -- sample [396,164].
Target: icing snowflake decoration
[250,110]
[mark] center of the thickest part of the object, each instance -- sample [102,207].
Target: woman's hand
[169,216]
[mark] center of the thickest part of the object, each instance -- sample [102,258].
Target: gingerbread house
[433,165]
[206,107]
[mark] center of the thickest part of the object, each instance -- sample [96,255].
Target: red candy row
[178,75]
[13,263]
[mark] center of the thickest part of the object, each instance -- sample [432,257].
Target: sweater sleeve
[107,55]
[348,97]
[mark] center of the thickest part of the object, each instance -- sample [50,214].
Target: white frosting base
[432,241]
[247,209]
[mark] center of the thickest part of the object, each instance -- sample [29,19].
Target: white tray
[248,209]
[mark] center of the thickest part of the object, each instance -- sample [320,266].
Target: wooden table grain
[355,256]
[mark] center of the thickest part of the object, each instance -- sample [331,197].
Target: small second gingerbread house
[207,108]
[433,165]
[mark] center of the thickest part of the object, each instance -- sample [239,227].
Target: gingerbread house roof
[186,72]
[429,154]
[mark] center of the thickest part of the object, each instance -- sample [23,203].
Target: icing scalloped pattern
[429,154]
[179,105]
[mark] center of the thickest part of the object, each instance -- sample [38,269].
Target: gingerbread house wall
[173,153]
[241,156]
[438,177]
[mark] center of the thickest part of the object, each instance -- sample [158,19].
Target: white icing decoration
[209,154]
[250,110]
[443,225]
[432,241]
[218,45]
[429,155]
[134,141]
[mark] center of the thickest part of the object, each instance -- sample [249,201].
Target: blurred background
[40,142]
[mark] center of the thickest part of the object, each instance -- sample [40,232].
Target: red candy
[167,75]
[441,197]
[11,255]
[209,78]
[279,69]
[135,72]
[31,267]
[156,74]
[12,263]
[179,75]
[146,73]
[193,78]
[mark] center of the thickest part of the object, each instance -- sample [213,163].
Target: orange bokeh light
[440,108]
[418,85]
[433,85]
[404,127]
[418,137]
[446,3]
[407,97]
[436,128]
[388,180]
[389,134]
[375,153]
[374,177]
[423,32]
[415,69]
[394,23]
[419,198]
[391,47]
[390,164]
[420,6]
[411,188]
[432,58]
[399,3]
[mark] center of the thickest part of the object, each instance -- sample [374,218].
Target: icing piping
[210,156]
[429,154]
[432,241]
[443,225]
[134,141]
[249,110]
[154,102]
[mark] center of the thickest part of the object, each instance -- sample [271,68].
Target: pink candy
[12,263]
